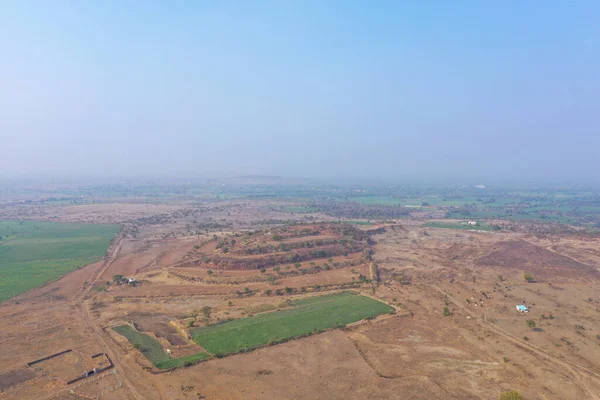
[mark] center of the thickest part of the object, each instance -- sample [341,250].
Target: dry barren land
[328,310]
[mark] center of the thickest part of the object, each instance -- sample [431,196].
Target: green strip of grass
[153,350]
[307,316]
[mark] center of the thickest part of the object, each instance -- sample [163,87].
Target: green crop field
[459,225]
[299,209]
[305,317]
[378,200]
[33,253]
[153,350]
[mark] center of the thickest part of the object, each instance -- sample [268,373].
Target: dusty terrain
[243,258]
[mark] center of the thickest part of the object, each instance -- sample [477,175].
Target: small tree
[210,272]
[263,270]
[528,277]
[207,311]
[530,323]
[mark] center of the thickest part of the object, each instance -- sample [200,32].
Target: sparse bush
[531,324]
[447,312]
[528,278]
[210,272]
[263,270]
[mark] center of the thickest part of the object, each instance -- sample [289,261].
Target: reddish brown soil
[158,325]
[542,263]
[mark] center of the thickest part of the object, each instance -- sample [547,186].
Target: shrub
[447,312]
[528,277]
[512,395]
[530,323]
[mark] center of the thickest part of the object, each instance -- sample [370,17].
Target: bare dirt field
[455,333]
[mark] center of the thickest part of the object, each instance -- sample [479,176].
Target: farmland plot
[153,350]
[33,253]
[307,316]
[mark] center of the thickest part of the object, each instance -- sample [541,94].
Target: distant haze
[301,89]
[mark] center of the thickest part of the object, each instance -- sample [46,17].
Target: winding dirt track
[576,371]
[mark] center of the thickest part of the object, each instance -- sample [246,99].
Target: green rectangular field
[153,350]
[307,316]
[33,253]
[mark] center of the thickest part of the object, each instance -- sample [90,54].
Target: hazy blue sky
[374,88]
